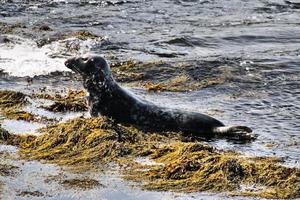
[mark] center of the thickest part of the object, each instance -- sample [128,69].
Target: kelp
[4,134]
[30,193]
[12,113]
[10,99]
[162,76]
[73,101]
[16,140]
[182,83]
[7,169]
[91,141]
[83,183]
[182,165]
[11,104]
[193,167]
[42,28]
[84,35]
[9,28]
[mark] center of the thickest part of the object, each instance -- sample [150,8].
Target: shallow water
[256,41]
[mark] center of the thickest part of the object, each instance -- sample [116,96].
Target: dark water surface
[257,42]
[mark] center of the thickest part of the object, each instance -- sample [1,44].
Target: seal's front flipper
[240,133]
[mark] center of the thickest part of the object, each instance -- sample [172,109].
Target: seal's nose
[67,62]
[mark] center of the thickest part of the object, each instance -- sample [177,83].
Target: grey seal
[107,98]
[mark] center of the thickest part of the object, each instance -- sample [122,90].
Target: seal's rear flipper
[241,133]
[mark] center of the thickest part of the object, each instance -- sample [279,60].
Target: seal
[107,98]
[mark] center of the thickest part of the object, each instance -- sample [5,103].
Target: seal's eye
[85,59]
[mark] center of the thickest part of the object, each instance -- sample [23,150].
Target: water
[257,42]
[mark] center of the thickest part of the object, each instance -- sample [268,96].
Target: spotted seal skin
[108,98]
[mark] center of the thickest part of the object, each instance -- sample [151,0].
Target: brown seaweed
[183,166]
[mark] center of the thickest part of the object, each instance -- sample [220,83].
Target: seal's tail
[241,133]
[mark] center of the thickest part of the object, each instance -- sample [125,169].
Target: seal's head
[89,67]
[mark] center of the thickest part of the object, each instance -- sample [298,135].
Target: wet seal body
[107,98]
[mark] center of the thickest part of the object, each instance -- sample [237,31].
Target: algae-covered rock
[84,144]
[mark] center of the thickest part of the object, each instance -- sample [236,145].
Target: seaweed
[88,143]
[84,35]
[162,76]
[30,193]
[4,134]
[7,169]
[12,113]
[184,166]
[73,101]
[42,28]
[10,99]
[82,183]
[9,28]
[11,104]
[193,168]
[182,83]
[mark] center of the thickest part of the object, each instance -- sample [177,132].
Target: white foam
[24,58]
